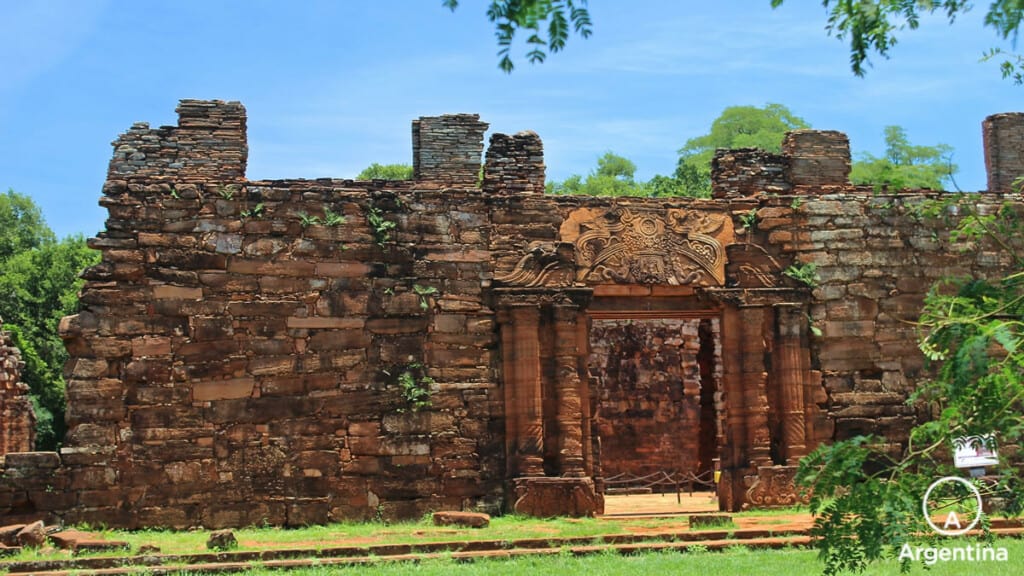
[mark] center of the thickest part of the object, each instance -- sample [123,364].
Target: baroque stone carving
[751,266]
[625,245]
[774,486]
[545,264]
[629,246]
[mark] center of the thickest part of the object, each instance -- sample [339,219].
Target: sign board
[975,451]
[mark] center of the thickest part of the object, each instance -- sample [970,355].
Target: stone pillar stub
[514,164]
[446,150]
[817,157]
[1003,136]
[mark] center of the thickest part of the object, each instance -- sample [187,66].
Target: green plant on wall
[414,386]
[380,226]
[423,292]
[306,220]
[332,219]
[254,212]
[749,219]
[227,192]
[806,274]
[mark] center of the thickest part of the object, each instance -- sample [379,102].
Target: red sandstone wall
[237,362]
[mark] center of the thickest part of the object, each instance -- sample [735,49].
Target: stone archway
[651,261]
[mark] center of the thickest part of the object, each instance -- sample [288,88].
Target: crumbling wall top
[209,143]
[446,149]
[17,421]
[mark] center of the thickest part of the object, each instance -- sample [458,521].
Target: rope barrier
[676,479]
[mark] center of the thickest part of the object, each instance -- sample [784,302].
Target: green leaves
[377,171]
[866,494]
[905,165]
[871,26]
[414,386]
[38,286]
[530,16]
[805,273]
[735,127]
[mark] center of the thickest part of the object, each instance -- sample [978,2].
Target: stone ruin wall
[17,421]
[236,363]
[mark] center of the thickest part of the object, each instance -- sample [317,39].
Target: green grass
[736,560]
[364,534]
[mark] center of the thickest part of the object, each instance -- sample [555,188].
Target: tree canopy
[546,22]
[735,127]
[377,171]
[38,286]
[870,26]
[21,225]
[905,165]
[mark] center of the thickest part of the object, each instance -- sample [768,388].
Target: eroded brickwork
[264,351]
[17,421]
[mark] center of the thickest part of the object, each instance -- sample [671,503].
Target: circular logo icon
[949,496]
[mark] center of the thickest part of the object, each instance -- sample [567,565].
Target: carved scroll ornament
[621,245]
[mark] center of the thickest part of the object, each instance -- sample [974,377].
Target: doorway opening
[656,381]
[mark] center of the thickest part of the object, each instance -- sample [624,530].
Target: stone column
[570,408]
[734,449]
[583,347]
[755,379]
[524,429]
[791,375]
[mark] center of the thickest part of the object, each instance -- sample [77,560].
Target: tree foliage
[547,24]
[377,171]
[38,286]
[905,165]
[866,497]
[615,176]
[871,26]
[735,127]
[21,225]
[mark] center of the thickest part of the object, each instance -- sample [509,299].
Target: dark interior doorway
[656,400]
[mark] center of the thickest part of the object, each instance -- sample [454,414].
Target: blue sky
[331,86]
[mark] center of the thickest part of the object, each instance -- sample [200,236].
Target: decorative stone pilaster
[570,405]
[755,379]
[792,365]
[524,430]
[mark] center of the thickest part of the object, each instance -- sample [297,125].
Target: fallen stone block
[32,535]
[9,534]
[86,546]
[9,550]
[222,540]
[709,520]
[466,519]
[67,539]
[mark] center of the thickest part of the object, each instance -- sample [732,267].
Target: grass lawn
[371,533]
[742,561]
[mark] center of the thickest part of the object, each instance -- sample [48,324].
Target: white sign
[975,451]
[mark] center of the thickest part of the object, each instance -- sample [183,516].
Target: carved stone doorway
[655,381]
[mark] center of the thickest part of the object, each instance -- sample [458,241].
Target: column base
[547,497]
[772,487]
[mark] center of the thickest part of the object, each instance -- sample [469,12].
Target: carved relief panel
[673,246]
